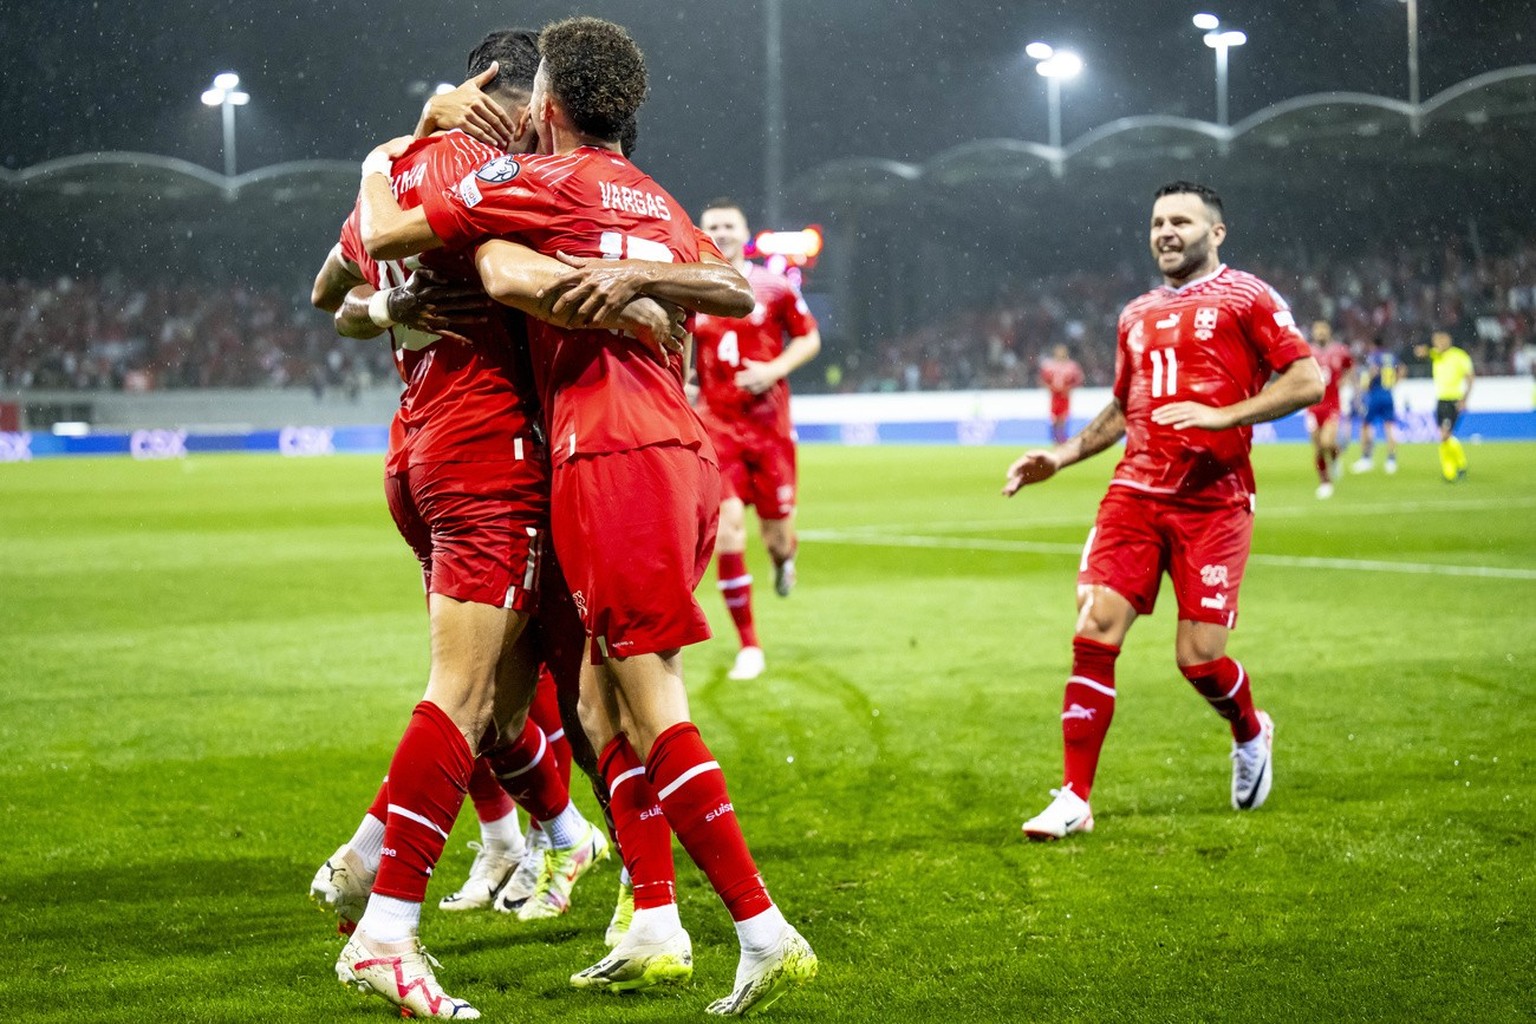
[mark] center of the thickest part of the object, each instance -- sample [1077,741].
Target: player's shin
[1087,708]
[428,778]
[736,589]
[1225,686]
[691,790]
[640,828]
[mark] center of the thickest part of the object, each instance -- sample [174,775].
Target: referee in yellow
[1453,386]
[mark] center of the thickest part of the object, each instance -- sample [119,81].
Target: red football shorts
[1320,415]
[476,527]
[634,532]
[1137,538]
[1061,404]
[757,465]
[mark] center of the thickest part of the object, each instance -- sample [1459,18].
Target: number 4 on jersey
[728,351]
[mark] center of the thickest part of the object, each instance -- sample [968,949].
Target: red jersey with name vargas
[601,392]
[462,403]
[1214,341]
[724,344]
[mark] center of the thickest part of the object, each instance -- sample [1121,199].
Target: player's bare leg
[1391,431]
[691,791]
[1367,448]
[782,544]
[1104,618]
[1201,649]
[736,587]
[1325,453]
[428,778]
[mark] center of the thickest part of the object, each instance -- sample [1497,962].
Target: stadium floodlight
[1054,66]
[227,94]
[1413,60]
[1220,41]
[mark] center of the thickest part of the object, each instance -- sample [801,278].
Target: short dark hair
[597,72]
[516,53]
[725,203]
[629,138]
[1205,192]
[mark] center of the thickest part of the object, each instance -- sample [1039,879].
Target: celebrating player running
[1190,373]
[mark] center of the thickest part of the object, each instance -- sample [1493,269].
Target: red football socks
[526,769]
[644,838]
[1087,708]
[491,801]
[691,789]
[428,778]
[1321,461]
[736,588]
[380,806]
[1224,685]
[545,710]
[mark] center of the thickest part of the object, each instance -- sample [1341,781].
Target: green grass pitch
[205,665]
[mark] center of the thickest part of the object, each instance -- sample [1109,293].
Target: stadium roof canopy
[1466,128]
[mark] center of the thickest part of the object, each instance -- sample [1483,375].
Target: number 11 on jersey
[1161,358]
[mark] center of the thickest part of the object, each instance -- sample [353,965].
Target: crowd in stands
[1488,304]
[117,333]
[120,334]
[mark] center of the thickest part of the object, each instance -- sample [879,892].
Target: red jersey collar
[1199,280]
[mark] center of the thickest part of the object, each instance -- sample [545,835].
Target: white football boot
[341,887]
[1253,767]
[405,979]
[1066,814]
[750,663]
[493,865]
[636,964]
[525,879]
[762,979]
[784,577]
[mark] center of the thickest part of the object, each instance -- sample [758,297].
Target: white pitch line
[1085,519]
[1075,550]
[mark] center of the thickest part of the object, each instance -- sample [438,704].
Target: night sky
[862,77]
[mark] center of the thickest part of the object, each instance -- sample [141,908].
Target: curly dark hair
[597,73]
[516,52]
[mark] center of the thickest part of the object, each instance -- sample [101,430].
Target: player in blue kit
[1377,379]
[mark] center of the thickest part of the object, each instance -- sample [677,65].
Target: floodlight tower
[1221,41]
[1413,60]
[227,94]
[1055,66]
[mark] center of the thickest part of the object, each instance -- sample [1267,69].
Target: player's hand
[1185,415]
[656,325]
[594,289]
[755,377]
[1032,467]
[433,304]
[471,111]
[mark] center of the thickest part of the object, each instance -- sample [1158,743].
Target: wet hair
[1205,192]
[597,72]
[515,51]
[724,203]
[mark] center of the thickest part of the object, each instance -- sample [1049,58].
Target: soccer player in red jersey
[1334,360]
[467,480]
[1060,375]
[1190,373]
[635,495]
[744,366]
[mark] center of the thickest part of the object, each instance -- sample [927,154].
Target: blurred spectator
[1488,303]
[113,333]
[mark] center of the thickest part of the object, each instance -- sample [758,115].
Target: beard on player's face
[1177,256]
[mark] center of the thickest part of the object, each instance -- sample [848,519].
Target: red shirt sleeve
[1122,367]
[794,313]
[497,199]
[1271,328]
[352,238]
[707,246]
